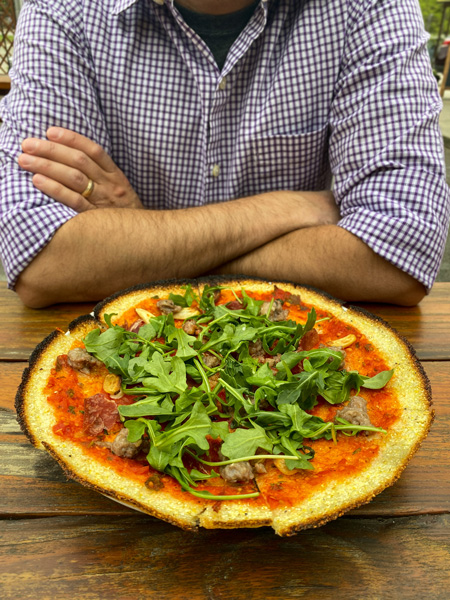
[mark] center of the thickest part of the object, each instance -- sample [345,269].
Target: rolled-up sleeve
[53,83]
[386,148]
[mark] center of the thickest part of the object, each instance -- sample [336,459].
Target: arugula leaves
[250,408]
[184,301]
[245,442]
[168,376]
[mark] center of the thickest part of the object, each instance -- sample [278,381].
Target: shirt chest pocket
[293,162]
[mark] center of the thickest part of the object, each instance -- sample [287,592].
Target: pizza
[225,403]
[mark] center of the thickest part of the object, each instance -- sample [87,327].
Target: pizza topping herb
[240,376]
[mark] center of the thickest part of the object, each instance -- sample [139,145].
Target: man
[207,132]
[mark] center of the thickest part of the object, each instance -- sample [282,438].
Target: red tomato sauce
[130,316]
[331,461]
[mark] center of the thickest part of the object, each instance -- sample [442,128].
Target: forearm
[100,251]
[332,259]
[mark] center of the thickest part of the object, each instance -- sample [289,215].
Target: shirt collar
[121,5]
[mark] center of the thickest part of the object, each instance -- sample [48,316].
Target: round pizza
[225,403]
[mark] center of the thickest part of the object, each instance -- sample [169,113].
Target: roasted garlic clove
[112,384]
[344,342]
[186,313]
[145,315]
[280,464]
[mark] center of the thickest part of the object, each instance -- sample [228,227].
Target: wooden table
[60,540]
[5,82]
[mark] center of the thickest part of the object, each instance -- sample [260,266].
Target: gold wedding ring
[89,189]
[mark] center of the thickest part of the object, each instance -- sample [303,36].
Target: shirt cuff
[26,231]
[404,231]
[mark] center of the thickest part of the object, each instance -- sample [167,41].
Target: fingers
[64,164]
[41,155]
[73,150]
[62,194]
[74,179]
[79,142]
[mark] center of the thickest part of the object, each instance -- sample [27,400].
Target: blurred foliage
[432,14]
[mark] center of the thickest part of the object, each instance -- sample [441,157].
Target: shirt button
[215,171]
[223,83]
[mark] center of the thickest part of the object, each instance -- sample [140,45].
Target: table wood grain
[426,326]
[129,558]
[22,328]
[59,540]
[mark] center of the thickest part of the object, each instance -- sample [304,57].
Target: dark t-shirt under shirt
[218,31]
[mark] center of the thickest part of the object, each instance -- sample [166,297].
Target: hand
[65,163]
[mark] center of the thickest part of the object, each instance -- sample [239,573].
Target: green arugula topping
[251,408]
[184,301]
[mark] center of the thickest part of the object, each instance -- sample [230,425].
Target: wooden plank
[443,85]
[22,328]
[5,82]
[426,326]
[91,557]
[10,378]
[33,484]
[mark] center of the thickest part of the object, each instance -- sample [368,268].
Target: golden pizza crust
[330,501]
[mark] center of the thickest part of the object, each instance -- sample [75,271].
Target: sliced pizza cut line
[358,338]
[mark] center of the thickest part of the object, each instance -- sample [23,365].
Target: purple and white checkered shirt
[310,90]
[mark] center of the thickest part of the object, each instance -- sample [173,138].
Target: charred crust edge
[112,494]
[83,320]
[20,399]
[251,523]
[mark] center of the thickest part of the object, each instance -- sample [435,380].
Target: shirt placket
[215,88]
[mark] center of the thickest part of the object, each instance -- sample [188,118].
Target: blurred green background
[432,14]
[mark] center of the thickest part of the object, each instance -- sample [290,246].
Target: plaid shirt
[310,90]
